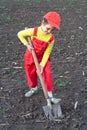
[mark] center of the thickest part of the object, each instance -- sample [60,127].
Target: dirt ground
[69,65]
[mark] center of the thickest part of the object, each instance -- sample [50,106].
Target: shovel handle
[38,69]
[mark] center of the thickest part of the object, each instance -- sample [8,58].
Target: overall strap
[35,31]
[52,38]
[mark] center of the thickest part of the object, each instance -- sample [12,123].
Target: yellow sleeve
[46,54]
[25,33]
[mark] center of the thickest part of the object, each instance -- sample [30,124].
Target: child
[43,41]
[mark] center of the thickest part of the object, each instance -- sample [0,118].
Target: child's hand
[29,48]
[41,69]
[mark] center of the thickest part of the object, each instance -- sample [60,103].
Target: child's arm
[46,54]
[23,34]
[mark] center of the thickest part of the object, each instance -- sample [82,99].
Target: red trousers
[31,73]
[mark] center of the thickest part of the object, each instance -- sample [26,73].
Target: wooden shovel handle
[38,69]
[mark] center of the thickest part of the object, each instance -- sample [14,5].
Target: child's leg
[48,77]
[49,83]
[31,75]
[30,70]
[32,79]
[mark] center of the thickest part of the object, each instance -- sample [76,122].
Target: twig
[16,67]
[40,121]
[4,124]
[26,115]
[75,106]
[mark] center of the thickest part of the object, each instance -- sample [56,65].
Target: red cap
[53,19]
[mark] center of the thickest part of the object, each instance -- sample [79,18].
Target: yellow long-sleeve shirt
[41,36]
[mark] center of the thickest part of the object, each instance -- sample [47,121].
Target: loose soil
[69,65]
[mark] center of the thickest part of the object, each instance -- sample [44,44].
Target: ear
[42,22]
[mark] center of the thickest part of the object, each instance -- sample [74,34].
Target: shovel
[52,111]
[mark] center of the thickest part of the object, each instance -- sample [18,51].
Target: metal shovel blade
[53,113]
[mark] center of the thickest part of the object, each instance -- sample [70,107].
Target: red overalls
[29,65]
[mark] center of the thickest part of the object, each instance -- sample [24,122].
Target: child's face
[47,28]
